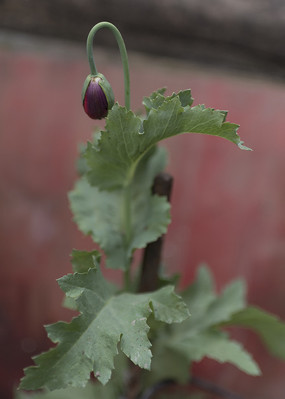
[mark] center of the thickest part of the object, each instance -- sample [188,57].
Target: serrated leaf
[207,308]
[111,390]
[100,213]
[89,342]
[113,160]
[157,99]
[216,345]
[171,119]
[82,261]
[201,292]
[199,336]
[230,300]
[154,100]
[185,97]
[268,326]
[89,392]
[167,363]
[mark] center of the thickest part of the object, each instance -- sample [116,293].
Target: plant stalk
[127,213]
[152,254]
[127,227]
[149,275]
[123,53]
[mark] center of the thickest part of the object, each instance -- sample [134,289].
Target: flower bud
[97,96]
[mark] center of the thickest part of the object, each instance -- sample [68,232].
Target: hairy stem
[123,52]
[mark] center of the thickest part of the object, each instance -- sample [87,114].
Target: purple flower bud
[97,96]
[95,102]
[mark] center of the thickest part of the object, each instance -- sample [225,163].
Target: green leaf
[171,119]
[201,292]
[216,345]
[268,326]
[157,99]
[89,392]
[199,336]
[114,158]
[100,213]
[82,261]
[154,100]
[207,308]
[167,363]
[89,342]
[111,390]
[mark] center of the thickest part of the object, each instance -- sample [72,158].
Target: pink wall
[228,205]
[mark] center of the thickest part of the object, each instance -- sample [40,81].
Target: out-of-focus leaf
[268,326]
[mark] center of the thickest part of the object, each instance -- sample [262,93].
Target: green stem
[127,214]
[123,52]
[127,280]
[127,226]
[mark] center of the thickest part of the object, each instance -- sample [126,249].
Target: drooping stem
[123,52]
[126,205]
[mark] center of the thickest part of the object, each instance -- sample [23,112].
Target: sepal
[97,96]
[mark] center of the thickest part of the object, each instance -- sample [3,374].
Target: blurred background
[228,205]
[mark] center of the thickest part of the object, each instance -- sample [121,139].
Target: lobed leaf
[89,392]
[100,213]
[82,261]
[199,336]
[207,308]
[113,159]
[216,345]
[268,326]
[90,342]
[157,98]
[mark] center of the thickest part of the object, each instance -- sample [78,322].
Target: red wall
[228,205]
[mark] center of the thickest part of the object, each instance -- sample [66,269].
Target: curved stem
[123,52]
